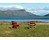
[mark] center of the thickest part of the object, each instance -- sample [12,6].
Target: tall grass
[39,31]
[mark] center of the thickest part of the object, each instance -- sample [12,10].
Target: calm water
[25,18]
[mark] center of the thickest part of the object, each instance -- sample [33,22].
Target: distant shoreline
[27,20]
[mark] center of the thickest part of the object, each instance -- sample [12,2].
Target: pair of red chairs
[16,25]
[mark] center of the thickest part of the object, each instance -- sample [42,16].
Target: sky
[35,8]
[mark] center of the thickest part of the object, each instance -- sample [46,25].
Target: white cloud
[10,6]
[18,6]
[36,8]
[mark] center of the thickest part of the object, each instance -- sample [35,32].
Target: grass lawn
[39,31]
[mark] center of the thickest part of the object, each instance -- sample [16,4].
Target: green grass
[39,31]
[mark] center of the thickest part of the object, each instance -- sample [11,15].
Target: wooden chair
[15,25]
[31,24]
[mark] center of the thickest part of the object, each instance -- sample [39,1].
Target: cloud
[35,10]
[12,6]
[38,10]
[20,7]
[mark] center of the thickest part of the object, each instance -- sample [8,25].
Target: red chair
[32,24]
[15,25]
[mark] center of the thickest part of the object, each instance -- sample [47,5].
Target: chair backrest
[32,22]
[14,22]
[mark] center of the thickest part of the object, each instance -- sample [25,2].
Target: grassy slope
[40,30]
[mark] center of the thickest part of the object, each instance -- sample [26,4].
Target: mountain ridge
[20,12]
[46,15]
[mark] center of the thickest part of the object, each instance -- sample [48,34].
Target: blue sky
[27,4]
[31,7]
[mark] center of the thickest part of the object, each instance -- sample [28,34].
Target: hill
[20,12]
[46,15]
